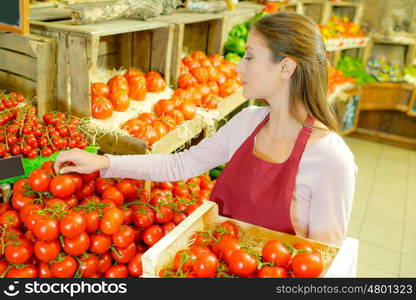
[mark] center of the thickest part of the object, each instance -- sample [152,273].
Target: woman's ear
[287,67]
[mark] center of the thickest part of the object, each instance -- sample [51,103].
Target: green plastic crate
[35,163]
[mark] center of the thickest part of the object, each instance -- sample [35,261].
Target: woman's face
[259,74]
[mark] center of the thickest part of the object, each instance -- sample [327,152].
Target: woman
[287,168]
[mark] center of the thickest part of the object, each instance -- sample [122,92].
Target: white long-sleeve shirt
[323,195]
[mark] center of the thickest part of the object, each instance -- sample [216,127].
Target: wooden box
[161,254]
[28,66]
[311,8]
[354,11]
[113,44]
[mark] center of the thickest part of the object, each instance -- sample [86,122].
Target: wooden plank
[80,77]
[411,110]
[386,138]
[15,83]
[126,50]
[162,41]
[92,48]
[110,61]
[178,137]
[410,55]
[46,69]
[216,37]
[108,45]
[50,13]
[176,53]
[62,77]
[17,63]
[142,50]
[26,44]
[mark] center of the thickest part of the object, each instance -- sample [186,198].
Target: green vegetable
[254,19]
[235,45]
[352,67]
[234,57]
[215,173]
[239,31]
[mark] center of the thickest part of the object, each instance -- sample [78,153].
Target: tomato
[111,221]
[215,59]
[77,245]
[275,252]
[226,227]
[207,184]
[205,62]
[152,235]
[226,246]
[90,176]
[101,108]
[46,229]
[77,179]
[120,100]
[47,251]
[137,88]
[128,190]
[6,206]
[117,271]
[242,263]
[148,134]
[205,265]
[19,251]
[168,227]
[133,126]
[64,268]
[228,88]
[118,83]
[19,185]
[147,117]
[272,272]
[169,122]
[183,69]
[164,106]
[10,219]
[163,215]
[201,74]
[221,79]
[143,217]
[44,270]
[55,203]
[184,260]
[131,73]
[307,265]
[100,89]
[99,243]
[104,262]
[188,109]
[124,255]
[72,225]
[187,80]
[124,237]
[211,101]
[92,220]
[114,195]
[160,128]
[198,55]
[62,186]
[89,264]
[155,82]
[28,271]
[135,265]
[303,246]
[181,191]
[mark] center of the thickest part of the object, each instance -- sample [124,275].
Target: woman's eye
[247,58]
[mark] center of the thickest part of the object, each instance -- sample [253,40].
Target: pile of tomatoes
[336,78]
[86,226]
[218,253]
[205,80]
[22,133]
[115,95]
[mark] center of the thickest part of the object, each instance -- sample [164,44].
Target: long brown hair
[297,37]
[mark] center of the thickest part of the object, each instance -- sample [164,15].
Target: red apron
[260,192]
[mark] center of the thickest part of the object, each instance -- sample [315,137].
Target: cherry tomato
[275,252]
[307,265]
[99,243]
[46,229]
[77,245]
[28,271]
[205,265]
[72,225]
[112,221]
[272,272]
[89,265]
[64,268]
[242,263]
[39,180]
[47,251]
[19,251]
[135,265]
[104,262]
[124,237]
[113,194]
[62,186]
[152,235]
[124,255]
[117,271]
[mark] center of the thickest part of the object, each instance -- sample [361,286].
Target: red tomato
[187,80]
[164,214]
[117,271]
[155,82]
[114,194]
[164,106]
[19,251]
[90,176]
[104,263]
[62,186]
[64,268]
[118,83]
[128,189]
[124,255]
[93,221]
[28,271]
[124,237]
[168,227]
[99,243]
[46,229]
[143,217]
[100,89]
[89,265]
[226,246]
[44,270]
[101,108]
[303,246]
[135,265]
[242,263]
[112,221]
[152,235]
[307,265]
[39,180]
[72,225]
[275,252]
[10,219]
[120,100]
[205,266]
[272,272]
[137,88]
[201,74]
[77,245]
[47,251]
[178,218]
[188,108]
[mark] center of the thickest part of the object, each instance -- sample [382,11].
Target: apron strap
[303,137]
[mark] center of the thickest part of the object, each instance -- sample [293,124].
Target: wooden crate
[28,66]
[311,8]
[354,11]
[400,47]
[193,32]
[341,104]
[387,96]
[114,44]
[162,253]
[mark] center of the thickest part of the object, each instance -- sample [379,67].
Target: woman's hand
[83,162]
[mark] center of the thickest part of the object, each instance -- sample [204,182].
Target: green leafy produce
[352,67]
[235,45]
[234,57]
[239,31]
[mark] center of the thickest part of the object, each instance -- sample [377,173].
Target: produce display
[410,74]
[384,70]
[337,79]
[352,67]
[87,226]
[338,27]
[235,46]
[222,252]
